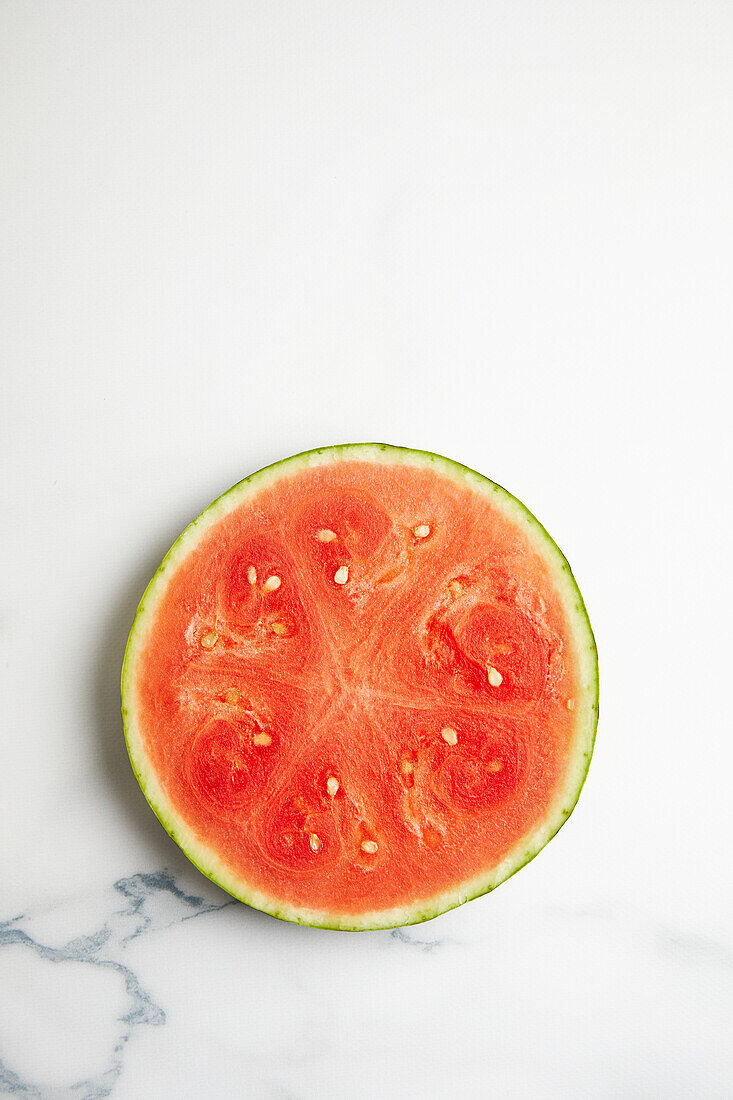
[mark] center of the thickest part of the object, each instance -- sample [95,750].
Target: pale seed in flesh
[570,704]
[326,535]
[278,628]
[209,640]
[315,842]
[494,766]
[369,846]
[407,767]
[449,736]
[495,677]
[421,531]
[232,697]
[332,785]
[263,739]
[271,584]
[251,574]
[341,575]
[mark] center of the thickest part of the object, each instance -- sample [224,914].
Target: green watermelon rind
[586,701]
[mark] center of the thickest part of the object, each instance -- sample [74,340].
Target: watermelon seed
[570,704]
[341,575]
[209,640]
[332,785]
[232,697]
[325,534]
[271,584]
[279,628]
[421,531]
[449,736]
[431,836]
[407,767]
[494,766]
[315,842]
[263,739]
[251,574]
[495,677]
[456,589]
[369,846]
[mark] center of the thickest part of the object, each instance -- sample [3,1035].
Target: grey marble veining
[133,907]
[151,903]
[423,943]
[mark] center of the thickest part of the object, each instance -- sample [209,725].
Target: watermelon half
[362,688]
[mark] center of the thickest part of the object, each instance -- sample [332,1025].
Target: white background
[500,231]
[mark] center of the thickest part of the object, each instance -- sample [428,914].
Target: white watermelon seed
[315,842]
[209,640]
[279,628]
[332,785]
[262,739]
[341,575]
[570,704]
[325,534]
[271,584]
[407,767]
[449,735]
[421,531]
[251,574]
[232,697]
[495,677]
[369,846]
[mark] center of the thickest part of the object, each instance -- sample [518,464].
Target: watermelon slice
[361,688]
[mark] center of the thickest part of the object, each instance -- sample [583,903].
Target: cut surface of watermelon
[361,688]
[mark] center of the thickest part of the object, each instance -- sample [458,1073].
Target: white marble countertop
[497,231]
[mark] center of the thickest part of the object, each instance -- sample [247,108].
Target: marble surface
[143,988]
[497,231]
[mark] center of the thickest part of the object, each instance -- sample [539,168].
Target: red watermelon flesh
[361,688]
